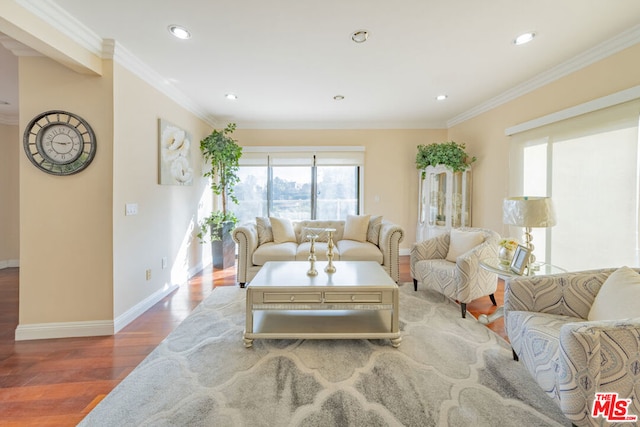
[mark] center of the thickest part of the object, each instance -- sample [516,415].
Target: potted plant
[450,154]
[223,153]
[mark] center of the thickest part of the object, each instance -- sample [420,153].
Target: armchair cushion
[612,302]
[461,241]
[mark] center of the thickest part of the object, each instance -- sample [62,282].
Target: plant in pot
[223,153]
[450,154]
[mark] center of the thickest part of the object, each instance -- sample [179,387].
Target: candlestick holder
[330,268]
[312,255]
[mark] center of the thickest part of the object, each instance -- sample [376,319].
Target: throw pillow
[355,228]
[282,230]
[265,233]
[461,241]
[373,232]
[617,296]
[322,234]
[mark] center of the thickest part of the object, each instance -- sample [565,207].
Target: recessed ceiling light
[360,36]
[179,32]
[338,97]
[231,96]
[524,38]
[441,97]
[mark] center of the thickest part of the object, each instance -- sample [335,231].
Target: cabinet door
[438,198]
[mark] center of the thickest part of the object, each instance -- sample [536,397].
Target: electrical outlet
[148,273]
[164,262]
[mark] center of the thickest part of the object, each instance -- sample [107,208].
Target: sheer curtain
[589,166]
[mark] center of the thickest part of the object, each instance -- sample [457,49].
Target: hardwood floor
[56,382]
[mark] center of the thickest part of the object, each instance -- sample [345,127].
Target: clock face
[59,143]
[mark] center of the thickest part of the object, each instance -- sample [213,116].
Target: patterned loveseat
[256,245]
[570,357]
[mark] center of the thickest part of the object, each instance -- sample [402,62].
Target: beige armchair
[450,264]
[570,357]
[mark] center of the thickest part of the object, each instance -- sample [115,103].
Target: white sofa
[256,244]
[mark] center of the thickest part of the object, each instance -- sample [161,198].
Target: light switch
[131,209]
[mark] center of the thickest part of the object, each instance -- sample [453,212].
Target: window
[299,183]
[589,166]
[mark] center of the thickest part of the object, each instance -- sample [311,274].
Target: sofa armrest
[567,294]
[389,243]
[246,236]
[595,357]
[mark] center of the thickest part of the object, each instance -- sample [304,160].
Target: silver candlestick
[330,268]
[312,255]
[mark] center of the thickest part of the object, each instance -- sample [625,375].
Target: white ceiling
[286,59]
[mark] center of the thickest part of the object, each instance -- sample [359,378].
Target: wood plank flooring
[56,382]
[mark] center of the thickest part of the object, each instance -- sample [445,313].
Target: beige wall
[11,147]
[390,175]
[66,221]
[82,259]
[167,215]
[485,136]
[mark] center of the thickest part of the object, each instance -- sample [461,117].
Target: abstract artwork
[175,155]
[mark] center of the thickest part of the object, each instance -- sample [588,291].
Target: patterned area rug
[448,371]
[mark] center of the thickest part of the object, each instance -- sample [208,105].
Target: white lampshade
[528,212]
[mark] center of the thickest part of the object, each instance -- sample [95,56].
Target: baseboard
[9,263]
[134,312]
[40,331]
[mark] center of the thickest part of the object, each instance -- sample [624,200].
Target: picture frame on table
[520,260]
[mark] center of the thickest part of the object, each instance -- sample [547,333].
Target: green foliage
[223,153]
[450,154]
[211,226]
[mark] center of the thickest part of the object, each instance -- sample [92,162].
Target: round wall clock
[59,143]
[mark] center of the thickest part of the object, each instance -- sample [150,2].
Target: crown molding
[17,48]
[597,53]
[67,24]
[346,125]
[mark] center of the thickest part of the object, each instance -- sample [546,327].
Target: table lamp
[528,212]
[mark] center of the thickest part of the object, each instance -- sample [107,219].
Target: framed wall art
[174,155]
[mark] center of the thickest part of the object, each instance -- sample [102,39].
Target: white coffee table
[359,300]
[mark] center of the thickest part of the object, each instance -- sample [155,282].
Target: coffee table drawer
[358,297]
[284,297]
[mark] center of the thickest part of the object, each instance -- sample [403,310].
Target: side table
[504,272]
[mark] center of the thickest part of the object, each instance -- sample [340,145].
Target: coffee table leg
[248,342]
[395,342]
[248,328]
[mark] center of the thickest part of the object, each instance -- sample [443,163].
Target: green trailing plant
[450,154]
[223,153]
[211,226]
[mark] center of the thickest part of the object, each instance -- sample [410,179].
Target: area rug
[448,371]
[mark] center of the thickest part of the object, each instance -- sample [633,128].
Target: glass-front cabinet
[444,201]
